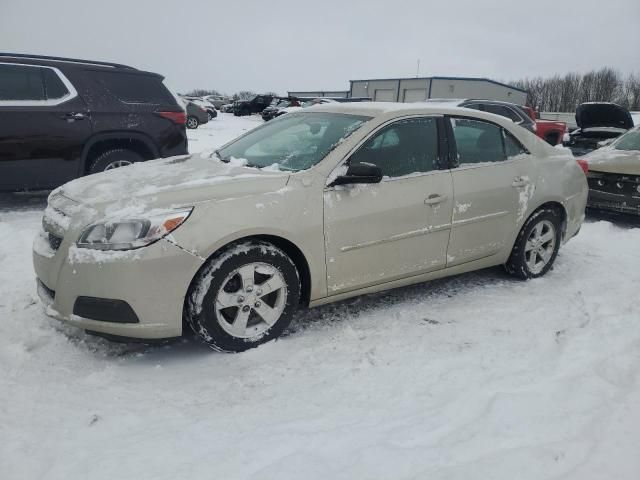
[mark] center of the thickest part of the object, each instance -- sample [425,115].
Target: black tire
[108,160]
[201,307]
[517,264]
[192,122]
[211,113]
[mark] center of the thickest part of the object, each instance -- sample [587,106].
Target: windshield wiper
[217,154]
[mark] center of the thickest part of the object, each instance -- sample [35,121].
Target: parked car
[196,115]
[550,131]
[210,109]
[227,108]
[597,122]
[64,118]
[217,100]
[255,104]
[614,175]
[330,202]
[504,109]
[280,106]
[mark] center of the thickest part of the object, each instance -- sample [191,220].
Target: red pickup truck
[548,130]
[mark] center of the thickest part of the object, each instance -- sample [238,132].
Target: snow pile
[474,377]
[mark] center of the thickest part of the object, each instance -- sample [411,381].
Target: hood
[610,160]
[169,183]
[590,115]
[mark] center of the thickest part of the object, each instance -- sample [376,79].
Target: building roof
[476,79]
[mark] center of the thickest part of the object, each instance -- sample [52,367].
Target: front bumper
[619,203]
[152,280]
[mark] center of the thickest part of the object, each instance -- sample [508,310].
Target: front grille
[627,185]
[54,241]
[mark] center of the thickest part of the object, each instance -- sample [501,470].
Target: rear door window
[135,87]
[19,82]
[478,141]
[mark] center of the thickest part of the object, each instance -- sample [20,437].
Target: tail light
[203,109]
[176,117]
[584,165]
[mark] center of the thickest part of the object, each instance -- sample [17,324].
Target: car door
[43,127]
[377,233]
[492,176]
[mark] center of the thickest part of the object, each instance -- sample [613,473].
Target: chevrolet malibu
[314,207]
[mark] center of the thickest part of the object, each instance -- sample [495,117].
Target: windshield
[628,141]
[295,141]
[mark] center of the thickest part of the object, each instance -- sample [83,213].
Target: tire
[116,158]
[537,245]
[192,122]
[226,305]
[211,113]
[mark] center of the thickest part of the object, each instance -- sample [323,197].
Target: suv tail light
[584,165]
[176,117]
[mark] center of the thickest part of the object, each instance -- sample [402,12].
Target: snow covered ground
[474,377]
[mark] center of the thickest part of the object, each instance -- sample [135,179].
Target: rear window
[135,88]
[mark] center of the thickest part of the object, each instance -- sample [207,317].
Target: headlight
[131,233]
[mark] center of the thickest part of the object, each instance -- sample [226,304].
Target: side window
[477,141]
[404,147]
[135,87]
[21,83]
[502,111]
[512,147]
[54,88]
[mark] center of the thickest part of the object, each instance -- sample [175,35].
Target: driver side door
[377,233]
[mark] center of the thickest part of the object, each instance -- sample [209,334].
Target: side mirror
[359,173]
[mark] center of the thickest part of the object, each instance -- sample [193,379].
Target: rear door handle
[73,116]
[434,199]
[520,182]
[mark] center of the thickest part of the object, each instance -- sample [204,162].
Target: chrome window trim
[73,93]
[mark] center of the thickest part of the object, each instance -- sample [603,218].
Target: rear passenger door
[493,176]
[43,127]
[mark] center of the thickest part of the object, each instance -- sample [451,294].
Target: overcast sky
[282,45]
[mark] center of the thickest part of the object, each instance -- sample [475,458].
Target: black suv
[254,105]
[63,118]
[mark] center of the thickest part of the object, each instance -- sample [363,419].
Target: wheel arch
[287,246]
[134,141]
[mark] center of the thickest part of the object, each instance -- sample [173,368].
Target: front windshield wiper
[217,154]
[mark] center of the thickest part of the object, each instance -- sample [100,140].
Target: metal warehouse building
[421,89]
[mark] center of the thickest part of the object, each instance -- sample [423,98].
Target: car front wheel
[243,297]
[537,245]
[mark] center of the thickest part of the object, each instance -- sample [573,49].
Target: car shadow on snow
[304,322]
[23,201]
[619,219]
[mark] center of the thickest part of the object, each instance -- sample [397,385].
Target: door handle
[73,116]
[520,182]
[434,199]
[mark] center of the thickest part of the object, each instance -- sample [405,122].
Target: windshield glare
[296,141]
[628,141]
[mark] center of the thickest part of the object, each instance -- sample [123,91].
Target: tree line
[564,93]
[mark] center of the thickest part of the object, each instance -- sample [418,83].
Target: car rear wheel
[192,122]
[243,297]
[116,158]
[537,245]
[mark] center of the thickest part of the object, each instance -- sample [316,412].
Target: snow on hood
[170,183]
[601,114]
[610,160]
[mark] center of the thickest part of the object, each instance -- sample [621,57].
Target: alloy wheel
[251,300]
[540,246]
[117,164]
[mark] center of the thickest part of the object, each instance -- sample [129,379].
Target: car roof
[374,109]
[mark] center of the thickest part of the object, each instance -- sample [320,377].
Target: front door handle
[73,116]
[520,182]
[434,199]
